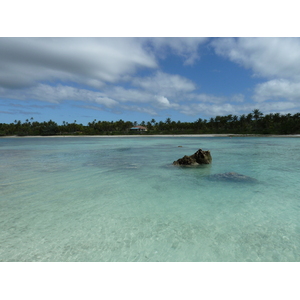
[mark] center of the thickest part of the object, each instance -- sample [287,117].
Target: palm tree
[229,118]
[149,125]
[249,117]
[257,114]
[235,118]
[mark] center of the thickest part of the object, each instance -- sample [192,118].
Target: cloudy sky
[136,79]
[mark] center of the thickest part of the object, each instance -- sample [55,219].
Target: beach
[156,135]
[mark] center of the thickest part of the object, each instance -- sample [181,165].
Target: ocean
[120,199]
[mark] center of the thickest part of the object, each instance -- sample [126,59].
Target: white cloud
[277,59]
[140,96]
[160,90]
[58,94]
[280,106]
[49,69]
[129,95]
[25,62]
[208,109]
[222,109]
[277,89]
[165,84]
[208,98]
[185,47]
[163,101]
[92,61]
[266,57]
[140,109]
[237,98]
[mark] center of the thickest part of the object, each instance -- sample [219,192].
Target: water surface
[121,199]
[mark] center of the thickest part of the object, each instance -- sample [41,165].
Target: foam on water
[121,199]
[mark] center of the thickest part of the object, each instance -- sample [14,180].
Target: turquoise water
[121,199]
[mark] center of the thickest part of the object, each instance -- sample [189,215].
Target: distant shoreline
[156,135]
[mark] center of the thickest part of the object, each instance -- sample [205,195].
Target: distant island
[253,123]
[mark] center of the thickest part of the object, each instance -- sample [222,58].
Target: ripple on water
[123,200]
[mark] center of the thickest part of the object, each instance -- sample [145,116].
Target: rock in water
[198,158]
[232,176]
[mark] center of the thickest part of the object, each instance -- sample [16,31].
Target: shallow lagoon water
[121,199]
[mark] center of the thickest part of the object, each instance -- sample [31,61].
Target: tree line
[253,123]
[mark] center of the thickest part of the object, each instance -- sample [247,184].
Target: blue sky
[139,79]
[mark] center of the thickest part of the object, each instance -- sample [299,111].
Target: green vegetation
[253,123]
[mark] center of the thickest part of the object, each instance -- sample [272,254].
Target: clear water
[121,199]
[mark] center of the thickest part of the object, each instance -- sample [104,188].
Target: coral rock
[198,158]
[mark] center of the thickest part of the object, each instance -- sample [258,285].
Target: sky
[140,79]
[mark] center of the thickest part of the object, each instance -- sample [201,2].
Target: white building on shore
[138,128]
